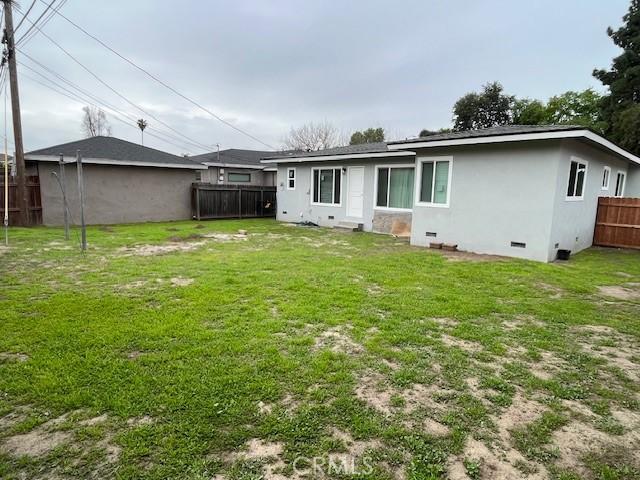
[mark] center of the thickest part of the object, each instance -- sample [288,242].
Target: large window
[620,179]
[435,181]
[395,187]
[239,177]
[606,178]
[326,186]
[291,178]
[577,177]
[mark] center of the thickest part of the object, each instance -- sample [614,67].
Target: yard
[185,350]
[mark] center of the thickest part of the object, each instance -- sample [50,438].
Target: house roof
[113,151]
[365,150]
[514,133]
[235,157]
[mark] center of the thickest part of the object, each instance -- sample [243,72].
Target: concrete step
[349,226]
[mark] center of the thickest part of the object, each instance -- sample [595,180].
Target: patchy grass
[184,350]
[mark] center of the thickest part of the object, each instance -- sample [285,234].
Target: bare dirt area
[628,292]
[338,341]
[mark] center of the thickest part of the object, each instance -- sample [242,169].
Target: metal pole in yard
[63,186]
[83,227]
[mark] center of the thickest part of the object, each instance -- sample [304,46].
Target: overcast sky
[268,66]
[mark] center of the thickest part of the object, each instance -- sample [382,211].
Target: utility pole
[21,183]
[63,186]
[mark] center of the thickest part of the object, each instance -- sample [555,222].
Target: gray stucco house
[236,167]
[124,182]
[520,191]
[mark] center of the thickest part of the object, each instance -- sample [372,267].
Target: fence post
[81,191]
[63,186]
[197,192]
[239,202]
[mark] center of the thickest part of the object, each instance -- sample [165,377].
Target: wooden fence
[34,203]
[618,222]
[210,201]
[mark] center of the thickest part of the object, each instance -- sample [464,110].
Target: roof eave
[120,163]
[349,156]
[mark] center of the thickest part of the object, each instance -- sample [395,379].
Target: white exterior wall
[633,182]
[499,194]
[573,221]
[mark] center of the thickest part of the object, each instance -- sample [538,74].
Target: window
[198,175]
[394,187]
[239,177]
[326,186]
[435,181]
[577,176]
[606,176]
[291,178]
[620,179]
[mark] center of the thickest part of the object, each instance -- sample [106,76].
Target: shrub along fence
[618,222]
[210,201]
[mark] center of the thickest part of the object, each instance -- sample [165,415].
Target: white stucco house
[520,191]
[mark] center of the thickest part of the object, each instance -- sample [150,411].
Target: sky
[266,67]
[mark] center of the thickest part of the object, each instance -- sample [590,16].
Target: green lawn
[184,350]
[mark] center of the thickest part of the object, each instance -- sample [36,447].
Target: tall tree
[619,107]
[312,136]
[95,123]
[370,135]
[489,108]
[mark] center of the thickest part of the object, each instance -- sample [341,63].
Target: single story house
[236,167]
[520,191]
[124,182]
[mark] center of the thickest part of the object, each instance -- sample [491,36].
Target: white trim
[324,158]
[624,183]
[417,188]
[375,187]
[606,169]
[295,178]
[233,165]
[520,137]
[333,190]
[119,163]
[578,160]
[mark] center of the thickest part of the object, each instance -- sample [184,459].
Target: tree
[425,132]
[370,135]
[312,137]
[623,80]
[489,108]
[529,112]
[95,123]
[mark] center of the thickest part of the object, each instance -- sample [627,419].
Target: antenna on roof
[142,124]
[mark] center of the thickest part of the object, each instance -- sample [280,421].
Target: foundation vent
[431,234]
[518,244]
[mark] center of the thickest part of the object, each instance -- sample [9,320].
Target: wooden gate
[618,222]
[34,203]
[210,201]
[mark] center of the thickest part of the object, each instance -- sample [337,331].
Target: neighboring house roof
[113,151]
[365,150]
[513,133]
[235,157]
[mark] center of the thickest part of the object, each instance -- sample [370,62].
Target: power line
[25,15]
[44,22]
[33,24]
[96,99]
[152,76]
[103,82]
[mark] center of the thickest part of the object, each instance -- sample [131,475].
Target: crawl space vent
[518,244]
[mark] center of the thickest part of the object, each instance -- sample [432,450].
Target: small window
[577,177]
[620,180]
[606,177]
[291,178]
[435,182]
[326,186]
[395,187]
[198,175]
[239,177]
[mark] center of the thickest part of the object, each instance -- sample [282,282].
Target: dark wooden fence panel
[34,201]
[209,201]
[618,222]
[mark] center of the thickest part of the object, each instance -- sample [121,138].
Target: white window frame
[375,187]
[624,183]
[421,161]
[578,160]
[291,169]
[606,171]
[333,191]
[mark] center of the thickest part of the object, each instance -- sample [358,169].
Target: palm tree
[142,124]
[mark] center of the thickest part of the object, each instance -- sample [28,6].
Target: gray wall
[117,194]
[633,182]
[499,194]
[295,205]
[574,221]
[258,176]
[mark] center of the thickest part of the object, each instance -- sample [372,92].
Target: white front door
[355,192]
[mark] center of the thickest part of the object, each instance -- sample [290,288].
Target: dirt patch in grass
[151,250]
[38,441]
[466,345]
[181,281]
[11,357]
[89,422]
[553,291]
[355,449]
[337,341]
[619,292]
[461,256]
[140,421]
[226,237]
[186,238]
